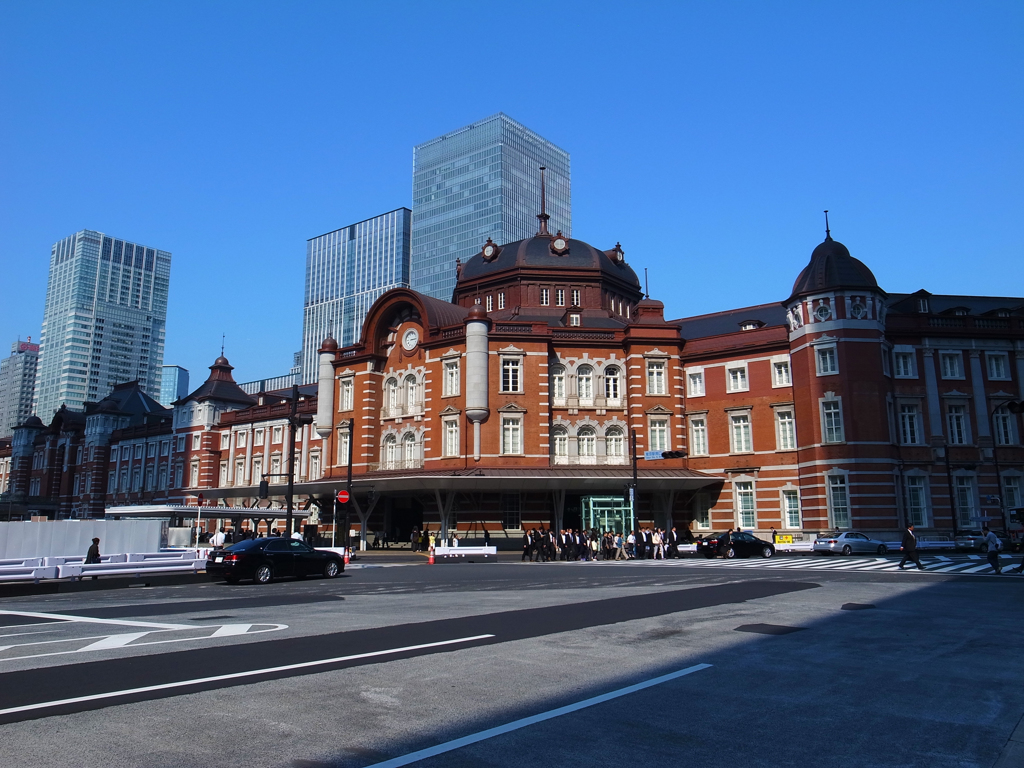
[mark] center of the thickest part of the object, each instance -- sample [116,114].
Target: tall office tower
[480,182]
[106,309]
[17,382]
[173,384]
[346,271]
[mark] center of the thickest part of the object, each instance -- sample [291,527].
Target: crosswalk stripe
[932,565]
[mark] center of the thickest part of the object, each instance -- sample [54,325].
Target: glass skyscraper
[173,384]
[346,271]
[104,320]
[477,182]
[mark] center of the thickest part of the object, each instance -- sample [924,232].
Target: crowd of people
[544,545]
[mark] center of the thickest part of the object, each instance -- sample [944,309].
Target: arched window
[585,382]
[560,445]
[558,382]
[614,445]
[389,453]
[410,452]
[410,394]
[611,383]
[391,395]
[586,445]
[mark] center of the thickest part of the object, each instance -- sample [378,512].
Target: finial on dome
[828,234]
[543,215]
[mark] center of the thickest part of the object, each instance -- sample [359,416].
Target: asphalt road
[510,664]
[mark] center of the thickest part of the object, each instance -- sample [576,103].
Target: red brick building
[515,404]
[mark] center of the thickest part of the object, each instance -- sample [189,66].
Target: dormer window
[922,305]
[574,319]
[1003,313]
[750,325]
[960,312]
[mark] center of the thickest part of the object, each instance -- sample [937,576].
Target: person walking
[92,557]
[910,549]
[775,536]
[993,546]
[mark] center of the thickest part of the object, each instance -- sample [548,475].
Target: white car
[848,543]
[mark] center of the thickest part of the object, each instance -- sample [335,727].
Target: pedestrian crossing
[969,564]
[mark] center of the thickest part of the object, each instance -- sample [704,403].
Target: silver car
[848,543]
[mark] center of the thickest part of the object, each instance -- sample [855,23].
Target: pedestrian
[218,539]
[620,547]
[487,538]
[910,549]
[994,545]
[723,543]
[92,557]
[775,536]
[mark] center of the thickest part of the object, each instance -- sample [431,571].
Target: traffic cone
[430,560]
[346,555]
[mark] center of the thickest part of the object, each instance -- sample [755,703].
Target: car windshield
[247,544]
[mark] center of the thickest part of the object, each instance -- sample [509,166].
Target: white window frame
[615,444]
[1011,498]
[948,359]
[910,424]
[560,445]
[992,359]
[741,432]
[737,378]
[575,295]
[574,320]
[742,490]
[917,499]
[558,380]
[585,376]
[786,495]
[612,384]
[451,439]
[785,426]
[489,301]
[659,436]
[657,383]
[277,435]
[451,378]
[904,364]
[698,424]
[839,433]
[826,360]
[511,435]
[958,423]
[966,489]
[840,514]
[559,297]
[586,445]
[259,437]
[501,300]
[702,511]
[514,365]
[197,441]
[545,297]
[782,374]
[346,400]
[695,382]
[1004,426]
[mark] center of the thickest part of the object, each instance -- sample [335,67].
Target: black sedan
[736,544]
[264,560]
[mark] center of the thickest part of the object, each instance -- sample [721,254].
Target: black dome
[832,267]
[535,252]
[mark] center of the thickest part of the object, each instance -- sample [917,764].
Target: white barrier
[128,564]
[57,537]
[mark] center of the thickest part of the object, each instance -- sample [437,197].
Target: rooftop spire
[828,234]
[222,337]
[543,215]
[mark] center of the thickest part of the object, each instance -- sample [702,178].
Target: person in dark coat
[93,555]
[910,549]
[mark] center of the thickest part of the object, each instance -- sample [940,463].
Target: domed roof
[535,252]
[832,267]
[329,345]
[34,422]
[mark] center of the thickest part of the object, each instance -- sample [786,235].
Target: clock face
[410,338]
[489,250]
[559,244]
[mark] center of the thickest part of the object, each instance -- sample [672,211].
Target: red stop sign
[343,497]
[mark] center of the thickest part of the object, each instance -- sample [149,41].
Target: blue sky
[706,137]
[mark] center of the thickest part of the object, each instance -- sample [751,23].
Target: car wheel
[730,553]
[264,574]
[767,552]
[331,570]
[882,549]
[847,550]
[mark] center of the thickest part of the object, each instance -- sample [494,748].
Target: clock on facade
[490,250]
[410,339]
[559,245]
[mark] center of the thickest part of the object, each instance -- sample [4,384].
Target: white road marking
[230,630]
[490,733]
[90,620]
[239,675]
[114,641]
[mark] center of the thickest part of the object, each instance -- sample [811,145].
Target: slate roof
[720,323]
[833,268]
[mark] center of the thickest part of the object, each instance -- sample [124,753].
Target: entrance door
[607,513]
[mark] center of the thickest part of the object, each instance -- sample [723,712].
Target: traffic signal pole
[348,482]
